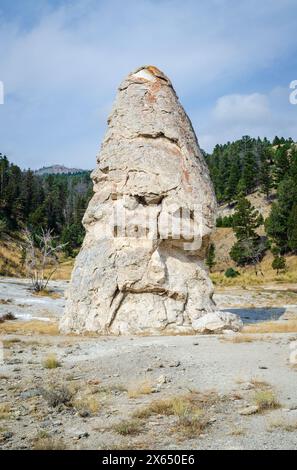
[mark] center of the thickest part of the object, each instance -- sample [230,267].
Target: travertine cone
[129,276]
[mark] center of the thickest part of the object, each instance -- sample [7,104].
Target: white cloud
[251,108]
[255,114]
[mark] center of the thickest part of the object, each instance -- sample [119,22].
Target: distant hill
[57,170]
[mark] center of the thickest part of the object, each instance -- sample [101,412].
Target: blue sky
[231,63]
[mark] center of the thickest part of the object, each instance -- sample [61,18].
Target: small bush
[279,264]
[51,362]
[191,422]
[266,400]
[89,404]
[230,272]
[128,427]
[7,316]
[58,396]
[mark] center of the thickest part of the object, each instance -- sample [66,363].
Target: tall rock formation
[141,268]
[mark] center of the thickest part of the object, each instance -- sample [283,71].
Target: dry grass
[248,276]
[239,338]
[283,423]
[64,270]
[190,411]
[237,431]
[289,326]
[4,410]
[129,427]
[45,442]
[191,423]
[191,415]
[51,361]
[266,400]
[259,383]
[87,404]
[47,293]
[11,258]
[136,390]
[159,407]
[30,327]
[112,388]
[8,343]
[185,331]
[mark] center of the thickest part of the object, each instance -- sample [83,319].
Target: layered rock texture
[140,269]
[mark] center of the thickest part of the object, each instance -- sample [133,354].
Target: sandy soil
[192,388]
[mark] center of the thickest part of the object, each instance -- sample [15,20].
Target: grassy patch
[289,326]
[266,400]
[113,388]
[45,442]
[158,407]
[190,411]
[283,423]
[129,427]
[191,422]
[239,338]
[51,362]
[47,293]
[137,389]
[30,327]
[89,404]
[8,343]
[4,410]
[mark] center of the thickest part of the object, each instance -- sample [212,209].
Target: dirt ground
[166,392]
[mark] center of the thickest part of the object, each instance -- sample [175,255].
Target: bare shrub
[58,396]
[40,257]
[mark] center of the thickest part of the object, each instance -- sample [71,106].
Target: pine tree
[265,178]
[232,182]
[210,258]
[281,163]
[292,229]
[246,220]
[277,224]
[249,247]
[249,172]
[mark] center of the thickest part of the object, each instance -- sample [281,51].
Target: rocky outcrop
[141,268]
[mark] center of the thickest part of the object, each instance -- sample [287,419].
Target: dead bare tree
[41,257]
